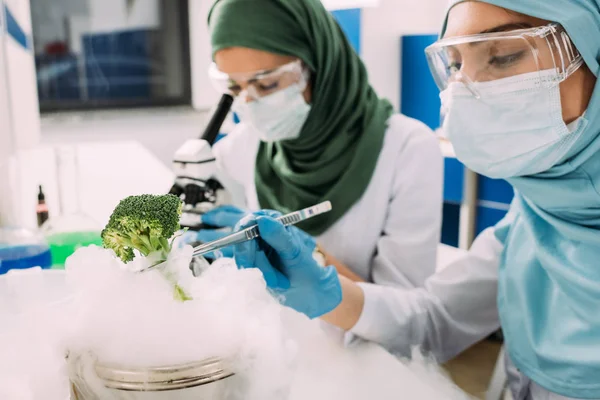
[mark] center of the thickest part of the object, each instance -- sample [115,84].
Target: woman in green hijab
[313,129]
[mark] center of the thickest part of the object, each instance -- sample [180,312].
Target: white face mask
[514,129]
[278,116]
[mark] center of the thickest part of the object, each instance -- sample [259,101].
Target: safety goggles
[256,85]
[489,57]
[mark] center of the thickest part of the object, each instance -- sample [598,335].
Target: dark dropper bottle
[42,208]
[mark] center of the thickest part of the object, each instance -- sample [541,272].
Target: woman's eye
[235,89]
[268,86]
[454,67]
[506,61]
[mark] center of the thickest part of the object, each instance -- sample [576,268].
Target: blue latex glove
[222,217]
[285,257]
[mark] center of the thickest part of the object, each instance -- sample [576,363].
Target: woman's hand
[224,219]
[224,216]
[341,268]
[285,257]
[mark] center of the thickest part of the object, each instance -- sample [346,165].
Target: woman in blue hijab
[521,101]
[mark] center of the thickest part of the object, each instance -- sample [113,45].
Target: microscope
[195,169]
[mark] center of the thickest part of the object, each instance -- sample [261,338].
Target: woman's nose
[245,96]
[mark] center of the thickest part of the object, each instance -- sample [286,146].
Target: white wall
[20,83]
[6,139]
[49,19]
[114,15]
[345,4]
[20,125]
[382,27]
[203,94]
[62,20]
[161,131]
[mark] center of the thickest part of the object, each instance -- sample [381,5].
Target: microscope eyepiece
[213,128]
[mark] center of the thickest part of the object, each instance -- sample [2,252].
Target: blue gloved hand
[221,217]
[285,257]
[224,216]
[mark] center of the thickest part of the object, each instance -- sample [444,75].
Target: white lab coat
[390,236]
[454,309]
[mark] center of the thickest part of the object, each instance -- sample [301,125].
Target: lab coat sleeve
[235,155]
[455,308]
[406,250]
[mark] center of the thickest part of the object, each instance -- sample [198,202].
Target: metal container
[209,379]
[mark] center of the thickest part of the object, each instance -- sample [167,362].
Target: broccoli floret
[145,223]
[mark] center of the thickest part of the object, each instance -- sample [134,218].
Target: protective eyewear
[489,57]
[259,84]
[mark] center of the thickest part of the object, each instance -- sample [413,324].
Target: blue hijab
[549,277]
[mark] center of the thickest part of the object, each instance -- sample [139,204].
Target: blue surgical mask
[278,116]
[514,129]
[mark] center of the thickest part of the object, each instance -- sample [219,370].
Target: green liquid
[63,244]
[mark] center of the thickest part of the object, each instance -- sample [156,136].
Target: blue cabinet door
[419,95]
[349,21]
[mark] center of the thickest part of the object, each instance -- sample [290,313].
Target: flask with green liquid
[71,228]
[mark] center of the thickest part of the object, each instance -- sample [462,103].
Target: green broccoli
[144,223]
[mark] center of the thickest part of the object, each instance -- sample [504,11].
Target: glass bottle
[71,228]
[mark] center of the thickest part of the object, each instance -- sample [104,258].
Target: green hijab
[335,156]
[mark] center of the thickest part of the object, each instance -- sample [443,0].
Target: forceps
[252,232]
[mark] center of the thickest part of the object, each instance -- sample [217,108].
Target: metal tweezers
[252,232]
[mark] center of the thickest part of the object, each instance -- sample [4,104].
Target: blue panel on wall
[349,20]
[496,190]
[450,224]
[14,29]
[487,217]
[454,177]
[419,95]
